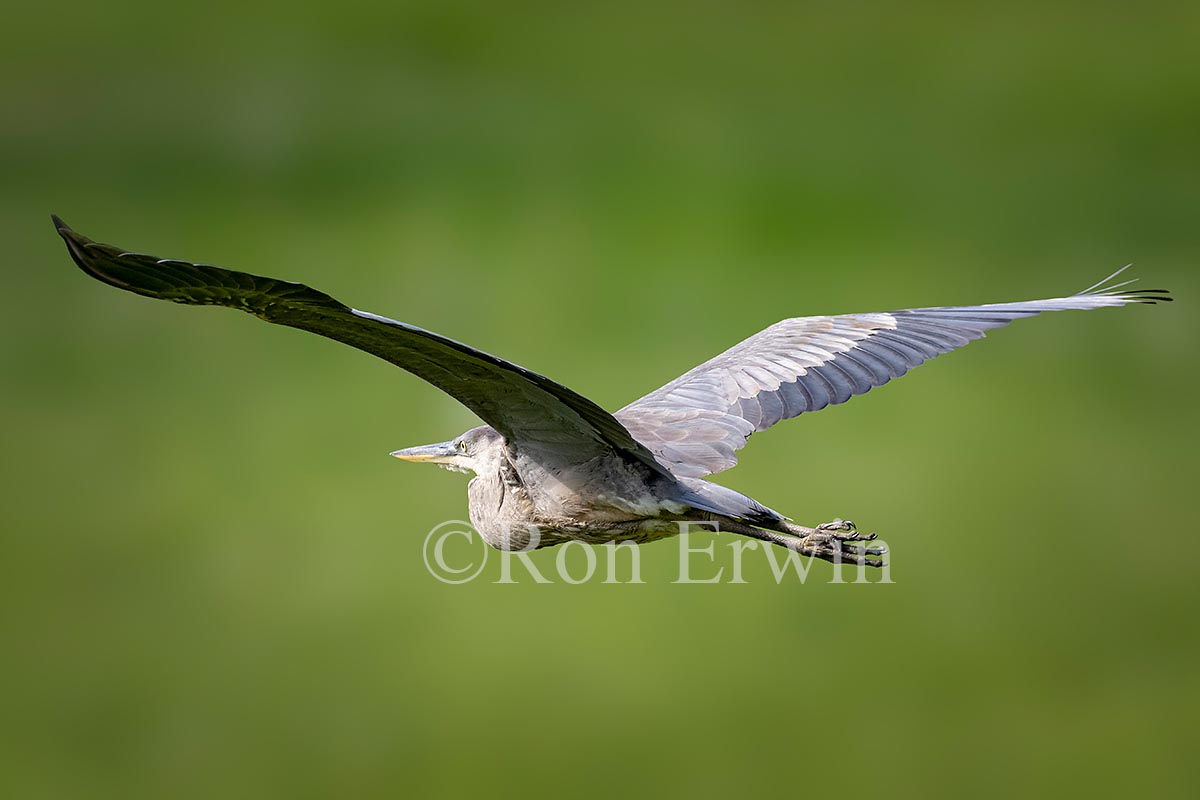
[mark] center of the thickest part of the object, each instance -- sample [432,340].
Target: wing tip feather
[1106,288]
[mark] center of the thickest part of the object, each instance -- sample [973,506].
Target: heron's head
[463,453]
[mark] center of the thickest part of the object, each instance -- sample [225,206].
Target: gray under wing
[697,422]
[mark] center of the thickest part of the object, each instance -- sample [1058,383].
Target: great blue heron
[551,466]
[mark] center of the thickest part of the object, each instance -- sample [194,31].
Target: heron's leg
[828,545]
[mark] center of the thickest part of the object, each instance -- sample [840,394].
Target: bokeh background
[211,581]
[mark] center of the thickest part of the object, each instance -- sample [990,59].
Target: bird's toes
[838,526]
[857,556]
[841,550]
[845,530]
[870,551]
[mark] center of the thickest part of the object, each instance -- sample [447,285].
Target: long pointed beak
[440,453]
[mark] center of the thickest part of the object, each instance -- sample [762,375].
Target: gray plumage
[696,422]
[551,466]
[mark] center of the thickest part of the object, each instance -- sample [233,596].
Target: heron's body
[551,466]
[516,503]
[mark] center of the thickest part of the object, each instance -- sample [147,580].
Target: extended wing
[550,423]
[696,422]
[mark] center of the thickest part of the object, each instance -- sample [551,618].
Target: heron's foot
[845,530]
[837,548]
[837,542]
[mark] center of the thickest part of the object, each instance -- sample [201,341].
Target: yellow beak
[441,453]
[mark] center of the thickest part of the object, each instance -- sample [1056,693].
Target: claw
[845,530]
[870,551]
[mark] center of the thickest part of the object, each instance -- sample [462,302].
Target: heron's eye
[462,446]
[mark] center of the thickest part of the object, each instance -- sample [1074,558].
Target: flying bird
[551,466]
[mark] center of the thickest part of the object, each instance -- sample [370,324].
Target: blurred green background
[211,582]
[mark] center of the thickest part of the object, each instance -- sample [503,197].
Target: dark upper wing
[696,422]
[551,423]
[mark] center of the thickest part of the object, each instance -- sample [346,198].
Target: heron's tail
[717,499]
